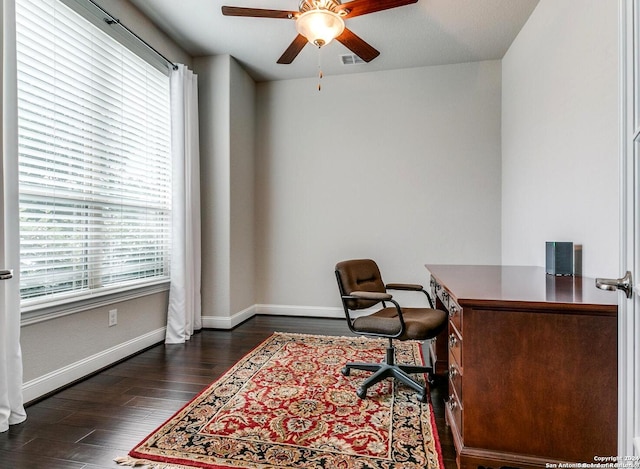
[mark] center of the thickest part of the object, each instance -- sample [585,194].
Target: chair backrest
[359,275]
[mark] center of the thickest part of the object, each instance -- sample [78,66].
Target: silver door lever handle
[6,274]
[623,284]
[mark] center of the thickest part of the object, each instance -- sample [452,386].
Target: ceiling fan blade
[358,46]
[258,12]
[293,50]
[362,7]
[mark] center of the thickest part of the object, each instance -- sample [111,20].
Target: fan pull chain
[320,69]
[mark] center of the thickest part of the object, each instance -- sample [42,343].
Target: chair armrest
[368,295]
[404,286]
[411,287]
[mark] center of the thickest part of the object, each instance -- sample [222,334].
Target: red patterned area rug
[287,405]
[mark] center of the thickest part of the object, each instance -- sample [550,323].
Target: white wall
[226,103]
[400,166]
[60,351]
[242,167]
[213,103]
[560,135]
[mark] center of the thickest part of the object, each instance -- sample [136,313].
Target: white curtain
[11,405]
[185,314]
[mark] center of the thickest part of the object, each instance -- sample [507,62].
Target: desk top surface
[487,283]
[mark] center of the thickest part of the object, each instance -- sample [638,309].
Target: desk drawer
[440,293]
[454,342]
[455,314]
[454,412]
[449,304]
[455,376]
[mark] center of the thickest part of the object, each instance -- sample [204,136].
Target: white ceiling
[430,32]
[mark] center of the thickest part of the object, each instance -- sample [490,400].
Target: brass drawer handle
[453,310]
[452,403]
[453,341]
[453,371]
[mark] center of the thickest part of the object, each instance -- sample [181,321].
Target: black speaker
[560,258]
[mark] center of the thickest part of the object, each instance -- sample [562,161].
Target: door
[630,256]
[629,297]
[629,325]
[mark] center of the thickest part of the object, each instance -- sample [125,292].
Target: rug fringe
[146,464]
[350,337]
[129,461]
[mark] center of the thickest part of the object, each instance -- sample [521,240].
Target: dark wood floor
[88,424]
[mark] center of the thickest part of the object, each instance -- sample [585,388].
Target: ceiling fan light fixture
[320,26]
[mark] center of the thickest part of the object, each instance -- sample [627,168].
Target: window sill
[47,313]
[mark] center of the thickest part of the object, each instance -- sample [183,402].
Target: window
[94,160]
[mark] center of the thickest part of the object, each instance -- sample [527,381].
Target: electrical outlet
[113,317]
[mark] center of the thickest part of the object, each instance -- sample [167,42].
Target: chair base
[389,370]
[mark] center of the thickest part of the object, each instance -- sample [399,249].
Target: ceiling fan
[320,21]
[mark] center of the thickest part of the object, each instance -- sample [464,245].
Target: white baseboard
[214,322]
[307,311]
[57,379]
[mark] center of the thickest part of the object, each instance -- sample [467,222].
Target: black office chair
[361,287]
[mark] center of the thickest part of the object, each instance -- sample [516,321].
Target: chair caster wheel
[361,393]
[346,371]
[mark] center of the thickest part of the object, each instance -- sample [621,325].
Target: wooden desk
[532,362]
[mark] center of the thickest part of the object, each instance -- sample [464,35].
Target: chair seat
[421,323]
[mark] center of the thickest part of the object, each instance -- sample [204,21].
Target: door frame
[628,333]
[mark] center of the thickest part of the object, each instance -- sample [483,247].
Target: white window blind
[94,160]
